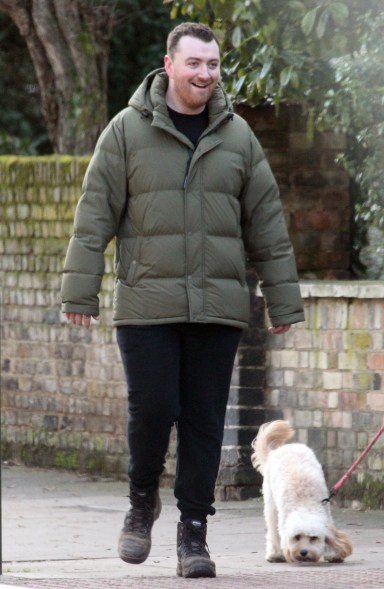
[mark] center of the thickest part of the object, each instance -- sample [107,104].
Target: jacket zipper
[187,277]
[190,154]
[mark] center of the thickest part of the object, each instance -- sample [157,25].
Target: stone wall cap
[348,289]
[356,289]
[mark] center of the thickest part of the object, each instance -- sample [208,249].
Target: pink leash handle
[350,470]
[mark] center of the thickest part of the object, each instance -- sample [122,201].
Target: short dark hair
[191,29]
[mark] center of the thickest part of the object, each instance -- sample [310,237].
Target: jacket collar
[149,99]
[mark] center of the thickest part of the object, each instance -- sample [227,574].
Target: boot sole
[196,569]
[131,560]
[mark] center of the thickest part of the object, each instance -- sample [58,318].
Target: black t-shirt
[192,126]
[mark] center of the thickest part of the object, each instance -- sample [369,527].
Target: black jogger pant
[178,373]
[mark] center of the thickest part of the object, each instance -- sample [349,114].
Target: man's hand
[279,329]
[80,320]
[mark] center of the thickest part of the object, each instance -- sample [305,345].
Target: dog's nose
[303,553]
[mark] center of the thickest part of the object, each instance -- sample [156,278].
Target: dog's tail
[271,435]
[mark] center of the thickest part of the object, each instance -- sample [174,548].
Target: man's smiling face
[193,72]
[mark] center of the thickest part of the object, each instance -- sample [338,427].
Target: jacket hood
[150,96]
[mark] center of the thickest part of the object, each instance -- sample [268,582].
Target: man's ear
[168,65]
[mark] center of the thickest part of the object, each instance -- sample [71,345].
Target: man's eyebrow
[216,59]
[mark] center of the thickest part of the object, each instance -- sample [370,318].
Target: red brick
[376,361]
[321,219]
[352,401]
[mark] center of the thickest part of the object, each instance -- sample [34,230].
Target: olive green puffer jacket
[184,219]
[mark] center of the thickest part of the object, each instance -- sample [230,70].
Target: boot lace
[194,539]
[141,514]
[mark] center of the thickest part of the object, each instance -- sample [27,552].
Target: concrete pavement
[59,530]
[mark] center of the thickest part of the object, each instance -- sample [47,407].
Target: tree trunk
[69,44]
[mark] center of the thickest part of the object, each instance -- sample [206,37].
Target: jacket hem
[216,320]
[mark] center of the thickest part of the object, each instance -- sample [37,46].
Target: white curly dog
[299,527]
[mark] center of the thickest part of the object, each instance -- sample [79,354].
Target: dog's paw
[275,558]
[334,559]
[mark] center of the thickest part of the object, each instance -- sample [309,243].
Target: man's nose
[204,72]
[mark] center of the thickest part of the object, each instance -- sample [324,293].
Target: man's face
[193,73]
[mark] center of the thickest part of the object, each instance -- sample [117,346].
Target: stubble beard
[194,98]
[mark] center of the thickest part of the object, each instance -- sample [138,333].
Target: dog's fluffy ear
[339,544]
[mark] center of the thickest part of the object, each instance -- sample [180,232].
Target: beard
[191,95]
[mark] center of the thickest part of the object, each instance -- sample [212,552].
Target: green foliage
[369,492]
[355,105]
[137,47]
[22,127]
[280,49]
[49,455]
[320,54]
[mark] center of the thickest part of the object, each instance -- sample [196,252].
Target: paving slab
[60,530]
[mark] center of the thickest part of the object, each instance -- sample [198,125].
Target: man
[185,188]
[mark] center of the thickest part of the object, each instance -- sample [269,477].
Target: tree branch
[68,43]
[79,41]
[54,44]
[19,12]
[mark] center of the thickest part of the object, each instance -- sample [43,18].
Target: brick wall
[314,190]
[63,392]
[326,376]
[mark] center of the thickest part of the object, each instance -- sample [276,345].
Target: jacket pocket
[130,279]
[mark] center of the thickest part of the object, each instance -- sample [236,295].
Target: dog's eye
[313,539]
[298,537]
